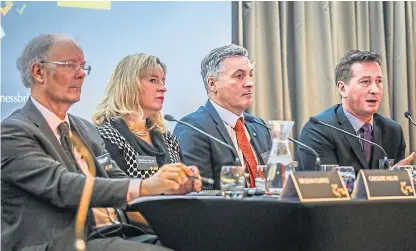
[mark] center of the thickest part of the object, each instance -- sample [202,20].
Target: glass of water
[232,181]
[382,165]
[410,168]
[328,168]
[261,176]
[348,175]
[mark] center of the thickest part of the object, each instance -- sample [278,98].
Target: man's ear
[212,85]
[37,71]
[342,89]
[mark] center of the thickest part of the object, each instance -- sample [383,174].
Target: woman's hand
[194,182]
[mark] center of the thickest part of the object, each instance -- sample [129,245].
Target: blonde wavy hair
[123,92]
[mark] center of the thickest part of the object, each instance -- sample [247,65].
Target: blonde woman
[132,127]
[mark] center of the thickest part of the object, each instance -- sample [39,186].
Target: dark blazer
[209,156]
[334,147]
[40,189]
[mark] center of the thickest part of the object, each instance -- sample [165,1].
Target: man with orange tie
[227,74]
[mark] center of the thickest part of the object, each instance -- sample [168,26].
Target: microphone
[251,118]
[407,115]
[172,119]
[84,203]
[385,161]
[317,160]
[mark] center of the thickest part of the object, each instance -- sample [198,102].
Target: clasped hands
[175,178]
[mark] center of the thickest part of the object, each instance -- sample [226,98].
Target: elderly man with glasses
[48,155]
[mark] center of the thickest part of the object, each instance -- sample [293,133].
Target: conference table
[266,223]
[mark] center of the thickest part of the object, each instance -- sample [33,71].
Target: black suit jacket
[40,189]
[209,156]
[335,147]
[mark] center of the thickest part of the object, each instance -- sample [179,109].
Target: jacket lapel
[354,143]
[220,125]
[37,118]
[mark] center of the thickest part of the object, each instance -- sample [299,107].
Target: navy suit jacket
[209,156]
[334,147]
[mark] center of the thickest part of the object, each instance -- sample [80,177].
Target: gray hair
[36,50]
[213,63]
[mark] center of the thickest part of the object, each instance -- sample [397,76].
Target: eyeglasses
[72,65]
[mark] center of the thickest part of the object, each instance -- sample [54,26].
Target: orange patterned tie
[248,153]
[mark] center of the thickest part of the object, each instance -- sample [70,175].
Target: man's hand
[408,160]
[172,179]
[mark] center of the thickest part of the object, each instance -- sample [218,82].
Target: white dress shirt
[230,120]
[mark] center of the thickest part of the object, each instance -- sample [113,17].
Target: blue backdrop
[180,33]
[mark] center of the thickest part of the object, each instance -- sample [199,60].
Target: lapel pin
[254,134]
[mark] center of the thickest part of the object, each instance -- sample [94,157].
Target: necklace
[141,134]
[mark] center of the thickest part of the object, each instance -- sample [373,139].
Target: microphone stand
[250,118]
[385,160]
[80,240]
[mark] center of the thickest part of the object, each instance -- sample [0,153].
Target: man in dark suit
[43,173]
[359,79]
[226,72]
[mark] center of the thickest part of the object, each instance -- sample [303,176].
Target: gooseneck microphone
[317,160]
[237,160]
[407,115]
[80,238]
[250,118]
[385,161]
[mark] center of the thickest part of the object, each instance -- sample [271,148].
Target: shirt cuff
[133,191]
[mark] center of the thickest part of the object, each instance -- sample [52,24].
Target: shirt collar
[356,122]
[226,116]
[50,117]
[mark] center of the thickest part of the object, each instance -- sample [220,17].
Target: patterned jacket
[112,135]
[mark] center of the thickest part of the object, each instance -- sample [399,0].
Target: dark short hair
[343,70]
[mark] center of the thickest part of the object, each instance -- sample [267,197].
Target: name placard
[383,185]
[315,186]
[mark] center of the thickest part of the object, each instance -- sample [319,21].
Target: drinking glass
[261,176]
[232,181]
[348,175]
[381,164]
[328,168]
[410,168]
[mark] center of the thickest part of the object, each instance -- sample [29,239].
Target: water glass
[261,175]
[410,168]
[329,168]
[381,164]
[348,175]
[232,181]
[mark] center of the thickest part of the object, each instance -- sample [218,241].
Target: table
[264,223]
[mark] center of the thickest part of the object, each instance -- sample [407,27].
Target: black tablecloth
[260,223]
